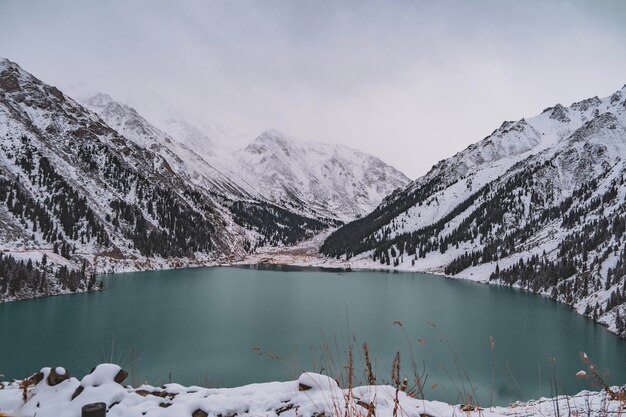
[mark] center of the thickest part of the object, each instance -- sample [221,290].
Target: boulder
[77,392]
[57,375]
[121,376]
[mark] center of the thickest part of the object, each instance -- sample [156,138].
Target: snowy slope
[103,185]
[181,156]
[202,135]
[71,183]
[458,177]
[314,179]
[333,180]
[52,392]
[539,203]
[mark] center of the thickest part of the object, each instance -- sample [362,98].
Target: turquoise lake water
[234,326]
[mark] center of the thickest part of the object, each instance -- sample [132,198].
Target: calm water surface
[209,325]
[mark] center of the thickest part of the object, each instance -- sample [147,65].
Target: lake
[234,326]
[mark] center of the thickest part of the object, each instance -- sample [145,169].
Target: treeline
[75,220]
[274,224]
[575,272]
[484,221]
[157,219]
[27,279]
[363,234]
[496,246]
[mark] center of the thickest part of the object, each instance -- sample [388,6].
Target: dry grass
[126,358]
[598,381]
[562,406]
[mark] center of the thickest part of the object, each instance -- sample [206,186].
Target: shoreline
[304,254]
[529,408]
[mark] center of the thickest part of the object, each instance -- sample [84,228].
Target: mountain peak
[559,113]
[275,135]
[99,99]
[102,102]
[270,141]
[7,63]
[586,104]
[10,76]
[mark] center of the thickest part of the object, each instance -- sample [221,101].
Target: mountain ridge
[310,178]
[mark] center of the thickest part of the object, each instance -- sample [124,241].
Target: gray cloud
[409,81]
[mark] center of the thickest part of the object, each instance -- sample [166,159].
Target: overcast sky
[411,82]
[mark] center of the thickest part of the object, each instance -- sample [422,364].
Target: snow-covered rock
[35,397]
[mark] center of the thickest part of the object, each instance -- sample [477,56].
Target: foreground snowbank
[53,393]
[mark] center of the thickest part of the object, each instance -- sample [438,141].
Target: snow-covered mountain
[100,187]
[73,188]
[215,173]
[92,185]
[539,203]
[332,180]
[314,179]
[201,134]
[193,161]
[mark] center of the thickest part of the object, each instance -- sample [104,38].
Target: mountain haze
[314,179]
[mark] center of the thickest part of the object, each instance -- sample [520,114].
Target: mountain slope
[308,178]
[200,134]
[181,157]
[105,189]
[538,204]
[332,180]
[71,185]
[267,222]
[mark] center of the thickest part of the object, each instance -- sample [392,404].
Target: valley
[538,204]
[279,208]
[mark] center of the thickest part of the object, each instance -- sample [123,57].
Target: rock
[94,410]
[36,378]
[469,408]
[317,382]
[281,410]
[77,392]
[142,392]
[199,413]
[57,375]
[161,394]
[121,376]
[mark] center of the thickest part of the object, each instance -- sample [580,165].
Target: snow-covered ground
[306,254]
[53,393]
